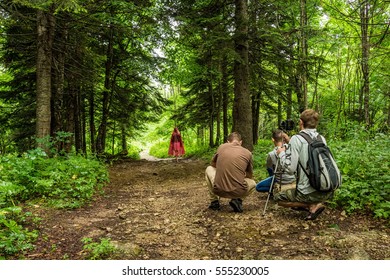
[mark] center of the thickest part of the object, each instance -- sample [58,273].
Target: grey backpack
[321,168]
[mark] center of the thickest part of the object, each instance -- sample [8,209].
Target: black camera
[287,125]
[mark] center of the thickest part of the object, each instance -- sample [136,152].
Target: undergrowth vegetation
[365,169]
[98,251]
[60,182]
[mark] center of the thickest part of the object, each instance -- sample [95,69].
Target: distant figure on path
[176,146]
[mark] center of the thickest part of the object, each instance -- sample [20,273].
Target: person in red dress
[176,146]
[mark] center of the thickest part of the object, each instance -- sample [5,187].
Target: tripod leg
[266,203]
[271,187]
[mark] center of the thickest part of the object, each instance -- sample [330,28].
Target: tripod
[273,182]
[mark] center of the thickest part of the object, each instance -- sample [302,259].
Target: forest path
[158,210]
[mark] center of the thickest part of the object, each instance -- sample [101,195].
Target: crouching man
[230,174]
[303,197]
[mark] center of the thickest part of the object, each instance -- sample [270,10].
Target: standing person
[230,174]
[282,180]
[176,146]
[304,196]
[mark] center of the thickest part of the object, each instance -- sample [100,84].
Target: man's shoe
[214,205]
[236,204]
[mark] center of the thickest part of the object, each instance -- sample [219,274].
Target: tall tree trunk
[289,103]
[45,37]
[280,108]
[83,125]
[113,139]
[388,111]
[254,61]
[303,53]
[225,99]
[77,120]
[242,115]
[218,117]
[69,104]
[280,95]
[256,115]
[102,132]
[123,137]
[211,135]
[92,127]
[316,96]
[364,20]
[59,82]
[296,81]
[212,113]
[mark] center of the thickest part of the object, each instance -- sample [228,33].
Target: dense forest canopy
[89,75]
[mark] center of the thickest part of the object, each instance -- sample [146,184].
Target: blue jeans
[264,185]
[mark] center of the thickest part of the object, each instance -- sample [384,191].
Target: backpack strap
[304,171]
[306,137]
[308,140]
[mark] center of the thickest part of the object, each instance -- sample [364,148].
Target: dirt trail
[158,210]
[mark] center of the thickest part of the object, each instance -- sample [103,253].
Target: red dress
[176,146]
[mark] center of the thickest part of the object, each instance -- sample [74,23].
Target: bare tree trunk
[289,103]
[92,127]
[77,120]
[279,109]
[211,123]
[303,54]
[280,96]
[218,117]
[343,75]
[225,99]
[69,104]
[255,115]
[113,139]
[242,115]
[123,137]
[364,19]
[45,32]
[102,132]
[59,83]
[83,125]
[388,110]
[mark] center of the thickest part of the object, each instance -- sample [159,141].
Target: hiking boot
[236,204]
[214,205]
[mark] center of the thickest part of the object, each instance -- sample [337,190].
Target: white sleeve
[289,158]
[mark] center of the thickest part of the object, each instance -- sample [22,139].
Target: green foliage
[98,251]
[60,182]
[14,238]
[365,169]
[133,151]
[260,152]
[62,5]
[65,182]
